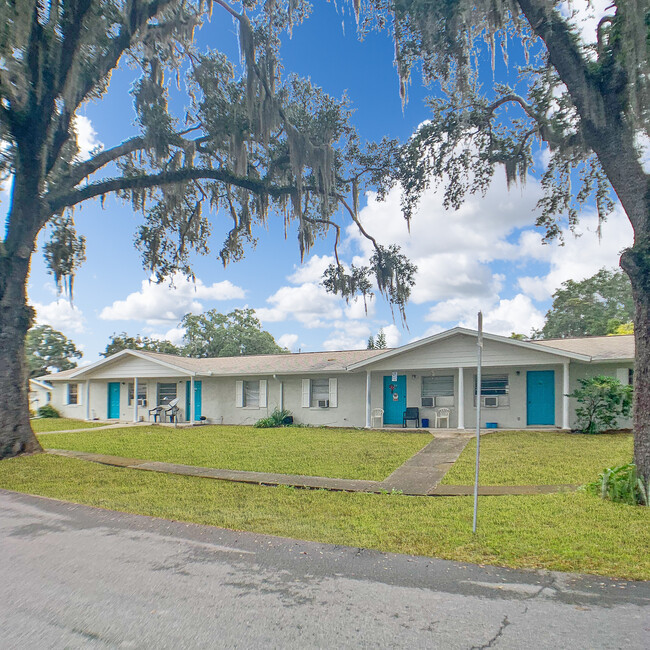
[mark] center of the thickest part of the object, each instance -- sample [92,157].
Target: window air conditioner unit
[323,403]
[142,402]
[491,402]
[429,401]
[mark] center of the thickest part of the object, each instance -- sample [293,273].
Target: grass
[540,458]
[565,532]
[335,453]
[43,425]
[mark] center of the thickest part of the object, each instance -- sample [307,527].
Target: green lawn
[335,453]
[540,458]
[566,532]
[42,425]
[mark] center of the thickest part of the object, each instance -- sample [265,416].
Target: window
[252,393]
[442,386]
[166,393]
[142,394]
[73,393]
[630,377]
[320,390]
[493,385]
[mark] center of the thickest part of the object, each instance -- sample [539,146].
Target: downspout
[281,405]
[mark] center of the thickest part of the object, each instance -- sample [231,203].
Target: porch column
[87,399]
[461,398]
[368,411]
[135,399]
[565,397]
[191,418]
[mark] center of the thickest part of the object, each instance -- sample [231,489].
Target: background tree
[380,343]
[248,144]
[123,341]
[48,350]
[593,307]
[226,335]
[589,103]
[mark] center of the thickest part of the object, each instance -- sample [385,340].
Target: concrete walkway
[418,476]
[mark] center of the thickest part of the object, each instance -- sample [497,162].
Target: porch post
[461,398]
[368,385]
[565,397]
[191,418]
[87,399]
[135,399]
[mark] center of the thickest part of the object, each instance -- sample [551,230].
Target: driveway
[73,576]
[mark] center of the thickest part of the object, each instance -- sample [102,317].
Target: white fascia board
[462,330]
[135,353]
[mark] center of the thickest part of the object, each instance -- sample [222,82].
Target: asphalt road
[79,577]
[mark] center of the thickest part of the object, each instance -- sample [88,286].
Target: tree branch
[68,199]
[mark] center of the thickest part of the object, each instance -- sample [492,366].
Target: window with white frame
[166,393]
[438,390]
[142,394]
[320,393]
[73,393]
[251,393]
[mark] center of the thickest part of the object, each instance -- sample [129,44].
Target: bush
[601,401]
[622,485]
[279,418]
[48,411]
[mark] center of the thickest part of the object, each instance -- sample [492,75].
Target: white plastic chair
[442,414]
[377,414]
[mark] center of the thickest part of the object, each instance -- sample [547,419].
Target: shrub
[622,485]
[48,411]
[601,401]
[279,418]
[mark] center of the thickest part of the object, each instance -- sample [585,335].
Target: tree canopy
[234,334]
[596,306]
[123,341]
[49,350]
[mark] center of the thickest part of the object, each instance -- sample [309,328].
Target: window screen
[252,393]
[493,385]
[442,386]
[166,393]
[142,394]
[320,389]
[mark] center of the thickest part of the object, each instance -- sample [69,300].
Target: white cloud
[166,303]
[87,140]
[174,335]
[312,270]
[348,335]
[308,303]
[515,315]
[580,257]
[288,341]
[61,315]
[393,335]
[452,249]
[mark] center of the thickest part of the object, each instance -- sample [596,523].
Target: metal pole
[478,415]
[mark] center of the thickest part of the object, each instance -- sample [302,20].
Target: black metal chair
[411,413]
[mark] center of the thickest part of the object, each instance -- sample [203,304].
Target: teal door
[394,399]
[114,400]
[197,400]
[540,394]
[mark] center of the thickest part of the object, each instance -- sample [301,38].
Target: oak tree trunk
[636,263]
[16,435]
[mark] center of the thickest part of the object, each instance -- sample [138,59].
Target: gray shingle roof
[597,347]
[265,364]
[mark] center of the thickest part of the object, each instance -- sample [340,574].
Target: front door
[114,400]
[394,399]
[197,400]
[540,393]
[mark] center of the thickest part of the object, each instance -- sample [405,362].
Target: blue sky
[485,256]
